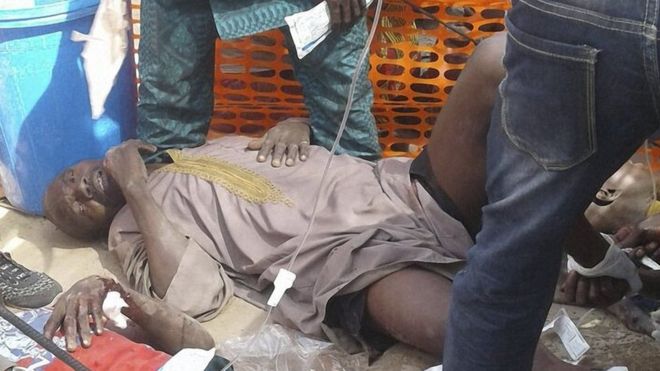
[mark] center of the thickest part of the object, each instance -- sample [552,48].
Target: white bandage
[112,309]
[616,264]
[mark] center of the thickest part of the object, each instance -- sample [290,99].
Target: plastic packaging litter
[189,359]
[569,334]
[104,52]
[277,348]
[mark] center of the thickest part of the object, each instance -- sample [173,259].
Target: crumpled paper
[104,51]
[189,359]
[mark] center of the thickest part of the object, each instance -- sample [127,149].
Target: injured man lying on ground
[214,223]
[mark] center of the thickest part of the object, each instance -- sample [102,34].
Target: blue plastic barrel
[45,116]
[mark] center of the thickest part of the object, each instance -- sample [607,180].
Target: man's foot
[23,288]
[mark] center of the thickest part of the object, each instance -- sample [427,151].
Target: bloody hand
[74,308]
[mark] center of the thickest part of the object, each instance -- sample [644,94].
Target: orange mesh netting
[414,63]
[653,151]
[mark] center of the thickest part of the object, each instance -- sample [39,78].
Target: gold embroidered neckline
[244,183]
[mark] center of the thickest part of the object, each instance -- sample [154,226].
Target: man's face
[623,200]
[83,199]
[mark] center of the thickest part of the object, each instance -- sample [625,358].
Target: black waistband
[420,170]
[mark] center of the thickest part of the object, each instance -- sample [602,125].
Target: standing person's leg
[579,97]
[176,72]
[325,75]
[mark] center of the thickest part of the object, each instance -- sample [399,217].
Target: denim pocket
[548,99]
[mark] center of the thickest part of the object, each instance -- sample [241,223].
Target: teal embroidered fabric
[176,72]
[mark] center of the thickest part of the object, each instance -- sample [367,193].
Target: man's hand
[124,163]
[290,137]
[73,310]
[639,242]
[649,249]
[594,292]
[344,12]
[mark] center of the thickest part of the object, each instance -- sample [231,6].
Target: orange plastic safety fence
[653,151]
[254,85]
[414,60]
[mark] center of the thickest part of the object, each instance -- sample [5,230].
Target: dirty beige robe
[371,221]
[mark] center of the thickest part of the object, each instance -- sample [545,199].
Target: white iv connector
[283,281]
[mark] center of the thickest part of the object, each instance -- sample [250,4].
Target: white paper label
[650,263]
[569,334]
[309,29]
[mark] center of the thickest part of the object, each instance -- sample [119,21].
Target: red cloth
[112,351]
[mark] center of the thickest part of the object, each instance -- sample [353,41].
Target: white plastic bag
[104,52]
[281,349]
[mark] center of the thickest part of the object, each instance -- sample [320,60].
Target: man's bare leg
[457,147]
[412,306]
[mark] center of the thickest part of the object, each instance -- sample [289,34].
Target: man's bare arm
[584,244]
[163,242]
[167,329]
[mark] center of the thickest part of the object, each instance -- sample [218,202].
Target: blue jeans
[580,95]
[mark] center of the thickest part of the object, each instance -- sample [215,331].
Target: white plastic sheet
[280,349]
[104,52]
